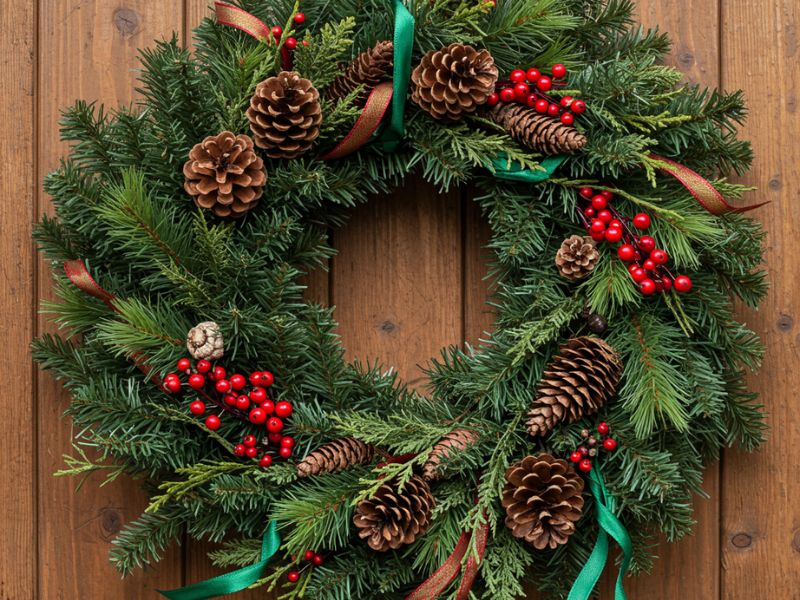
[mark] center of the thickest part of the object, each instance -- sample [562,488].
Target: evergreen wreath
[197,212]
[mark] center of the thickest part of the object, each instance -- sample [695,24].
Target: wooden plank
[18,562]
[89,52]
[760,513]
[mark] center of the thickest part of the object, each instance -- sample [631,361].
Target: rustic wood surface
[409,278]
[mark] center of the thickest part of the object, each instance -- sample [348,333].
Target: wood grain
[90,51]
[18,559]
[760,511]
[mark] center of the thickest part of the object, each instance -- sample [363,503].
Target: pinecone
[225,175]
[204,341]
[453,81]
[577,382]
[335,456]
[543,498]
[541,133]
[577,257]
[285,115]
[447,449]
[390,519]
[368,69]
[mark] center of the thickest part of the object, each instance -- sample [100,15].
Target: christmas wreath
[184,227]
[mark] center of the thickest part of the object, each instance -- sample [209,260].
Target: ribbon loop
[233,16]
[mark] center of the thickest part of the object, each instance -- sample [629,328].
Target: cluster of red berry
[229,395]
[530,89]
[312,558]
[290,43]
[589,449]
[647,263]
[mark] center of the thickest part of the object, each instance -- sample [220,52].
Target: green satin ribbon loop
[610,525]
[235,581]
[391,136]
[515,172]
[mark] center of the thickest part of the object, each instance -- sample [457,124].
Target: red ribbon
[699,187]
[432,587]
[79,275]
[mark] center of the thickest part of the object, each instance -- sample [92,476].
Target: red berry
[639,275]
[649,265]
[586,192]
[184,364]
[285,451]
[251,452]
[277,31]
[633,267]
[541,106]
[666,283]
[606,194]
[576,457]
[317,560]
[291,43]
[533,75]
[521,91]
[585,465]
[274,437]
[626,252]
[683,284]
[212,422]
[647,287]
[268,406]
[605,216]
[197,407]
[494,98]
[559,71]
[615,223]
[172,385]
[292,576]
[659,257]
[603,428]
[553,110]
[220,373]
[531,101]
[267,379]
[265,461]
[258,395]
[242,402]
[598,226]
[589,212]
[599,202]
[283,409]
[578,107]
[309,554]
[238,381]
[255,378]
[507,95]
[598,236]
[274,425]
[613,234]
[287,441]
[610,444]
[249,441]
[517,76]
[257,416]
[641,221]
[239,449]
[230,399]
[647,244]
[567,119]
[566,101]
[203,366]
[196,381]
[223,386]
[583,451]
[299,18]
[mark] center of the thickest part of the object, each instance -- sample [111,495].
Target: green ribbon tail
[394,130]
[610,525]
[513,171]
[234,581]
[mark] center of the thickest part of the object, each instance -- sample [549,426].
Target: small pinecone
[204,341]
[577,257]
[368,69]
[543,498]
[577,382]
[335,456]
[225,175]
[447,448]
[540,133]
[285,115]
[390,519]
[454,81]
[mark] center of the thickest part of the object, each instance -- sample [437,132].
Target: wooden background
[408,280]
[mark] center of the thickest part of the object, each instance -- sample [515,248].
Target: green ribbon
[610,525]
[394,130]
[513,171]
[232,582]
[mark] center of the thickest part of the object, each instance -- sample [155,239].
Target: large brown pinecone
[454,81]
[204,341]
[447,448]
[540,133]
[225,175]
[543,498]
[577,257]
[285,115]
[335,456]
[368,69]
[577,382]
[390,519]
